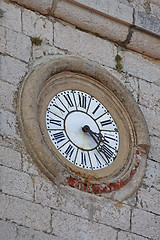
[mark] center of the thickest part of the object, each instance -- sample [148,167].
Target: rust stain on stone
[103,188]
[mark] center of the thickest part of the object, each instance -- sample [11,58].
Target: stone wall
[31,206]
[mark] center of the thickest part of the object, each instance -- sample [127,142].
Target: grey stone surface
[147,22]
[35,25]
[129,236]
[150,46]
[11,231]
[12,70]
[84,44]
[10,158]
[152,178]
[28,165]
[130,82]
[8,231]
[16,183]
[81,204]
[149,95]
[139,66]
[8,124]
[11,17]
[7,92]
[112,214]
[111,8]
[146,224]
[152,118]
[25,213]
[155,9]
[64,225]
[148,199]
[42,6]
[154,152]
[16,44]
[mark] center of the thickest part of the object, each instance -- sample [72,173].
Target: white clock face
[82,130]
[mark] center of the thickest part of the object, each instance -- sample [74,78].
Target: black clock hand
[97,137]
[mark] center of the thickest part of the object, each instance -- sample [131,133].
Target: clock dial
[82,130]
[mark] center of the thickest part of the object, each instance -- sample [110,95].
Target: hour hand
[96,136]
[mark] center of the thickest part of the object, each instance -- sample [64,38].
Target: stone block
[147,21]
[82,204]
[130,82]
[12,70]
[111,213]
[144,43]
[12,16]
[8,231]
[24,233]
[146,224]
[17,45]
[2,39]
[7,92]
[149,95]
[148,199]
[84,44]
[61,198]
[129,236]
[25,213]
[140,67]
[42,6]
[46,193]
[16,183]
[45,49]
[28,165]
[152,118]
[8,124]
[154,152]
[90,21]
[79,228]
[11,231]
[35,25]
[154,1]
[151,178]
[155,9]
[112,8]
[10,158]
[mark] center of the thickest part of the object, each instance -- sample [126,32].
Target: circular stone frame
[51,75]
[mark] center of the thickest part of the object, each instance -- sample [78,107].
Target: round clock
[82,130]
[85,127]
[82,127]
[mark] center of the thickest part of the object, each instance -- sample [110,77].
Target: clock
[85,127]
[82,130]
[82,127]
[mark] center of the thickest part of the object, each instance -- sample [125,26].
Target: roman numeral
[106,122]
[98,161]
[59,137]
[59,108]
[105,150]
[110,138]
[55,122]
[69,151]
[83,158]
[82,101]
[95,110]
[68,99]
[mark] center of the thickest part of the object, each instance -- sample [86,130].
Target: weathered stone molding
[117,22]
[38,86]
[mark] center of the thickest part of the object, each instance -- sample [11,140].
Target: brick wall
[31,206]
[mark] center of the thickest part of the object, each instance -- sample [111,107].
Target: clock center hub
[74,123]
